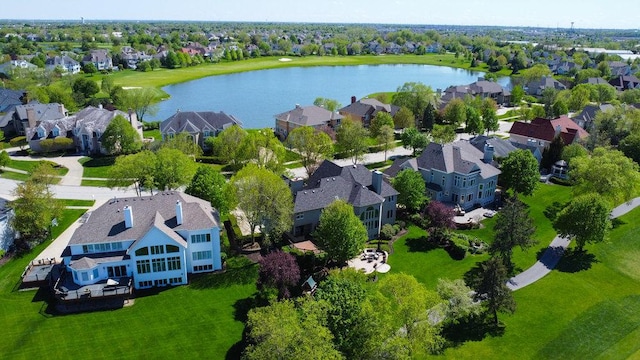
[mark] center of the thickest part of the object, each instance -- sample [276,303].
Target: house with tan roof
[148,241]
[540,132]
[314,116]
[198,124]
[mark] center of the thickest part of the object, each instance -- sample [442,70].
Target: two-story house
[455,173]
[99,58]
[67,64]
[481,88]
[540,132]
[155,240]
[22,117]
[85,128]
[372,198]
[198,124]
[314,116]
[366,109]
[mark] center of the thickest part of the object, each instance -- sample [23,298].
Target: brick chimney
[353,99]
[31,118]
[62,110]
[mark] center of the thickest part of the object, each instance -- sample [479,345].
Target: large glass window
[142,251]
[95,274]
[172,249]
[144,266]
[158,265]
[157,249]
[173,263]
[202,255]
[200,238]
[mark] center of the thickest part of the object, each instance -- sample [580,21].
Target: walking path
[554,252]
[73,176]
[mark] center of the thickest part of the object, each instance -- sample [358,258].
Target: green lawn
[155,134]
[587,308]
[28,166]
[203,319]
[12,175]
[97,167]
[73,202]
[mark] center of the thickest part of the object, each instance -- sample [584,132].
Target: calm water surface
[256,96]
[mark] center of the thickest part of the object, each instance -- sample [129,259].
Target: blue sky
[544,13]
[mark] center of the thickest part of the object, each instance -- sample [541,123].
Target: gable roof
[106,223]
[545,129]
[460,157]
[370,107]
[546,82]
[330,181]
[196,121]
[501,147]
[90,119]
[309,115]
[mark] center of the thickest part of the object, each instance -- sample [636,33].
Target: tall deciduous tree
[474,124]
[458,303]
[141,100]
[606,172]
[313,145]
[283,331]
[340,232]
[491,286]
[585,220]
[351,139]
[455,113]
[263,149]
[210,185]
[513,227]
[34,209]
[520,172]
[517,93]
[489,116]
[386,138]
[120,137]
[443,134]
[265,200]
[411,188]
[415,140]
[329,104]
[439,218]
[404,118]
[138,168]
[185,143]
[630,146]
[279,270]
[173,169]
[415,96]
[227,144]
[381,119]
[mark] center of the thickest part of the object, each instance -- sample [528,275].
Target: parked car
[489,214]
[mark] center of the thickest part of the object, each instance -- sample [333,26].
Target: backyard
[589,307]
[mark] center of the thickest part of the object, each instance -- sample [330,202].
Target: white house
[153,240]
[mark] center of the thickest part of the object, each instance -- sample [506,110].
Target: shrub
[19,141]
[387,232]
[559,181]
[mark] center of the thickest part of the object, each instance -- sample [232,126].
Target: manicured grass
[291,156]
[586,308]
[155,134]
[97,167]
[203,319]
[28,166]
[73,202]
[94,183]
[12,175]
[163,77]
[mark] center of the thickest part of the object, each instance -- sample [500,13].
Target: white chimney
[376,181]
[128,217]
[179,212]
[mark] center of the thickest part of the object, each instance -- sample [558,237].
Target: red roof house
[540,132]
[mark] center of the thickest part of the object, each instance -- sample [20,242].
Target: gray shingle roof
[9,97]
[42,112]
[88,261]
[309,116]
[501,147]
[459,157]
[371,107]
[329,182]
[90,119]
[106,223]
[197,121]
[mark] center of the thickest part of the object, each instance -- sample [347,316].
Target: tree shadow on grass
[574,261]
[617,222]
[473,329]
[551,255]
[421,244]
[243,275]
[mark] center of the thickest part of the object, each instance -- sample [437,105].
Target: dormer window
[56,131]
[41,132]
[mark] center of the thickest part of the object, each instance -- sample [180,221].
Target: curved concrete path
[73,176]
[554,252]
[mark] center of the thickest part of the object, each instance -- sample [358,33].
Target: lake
[255,97]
